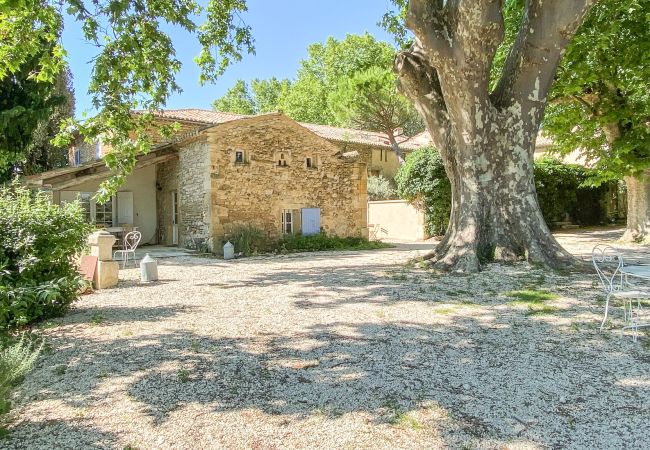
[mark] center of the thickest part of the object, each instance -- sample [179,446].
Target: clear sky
[282,29]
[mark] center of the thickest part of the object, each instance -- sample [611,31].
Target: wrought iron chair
[608,263]
[131,241]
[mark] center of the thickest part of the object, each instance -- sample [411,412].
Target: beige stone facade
[250,172]
[210,179]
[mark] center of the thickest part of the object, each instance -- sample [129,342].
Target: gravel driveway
[335,350]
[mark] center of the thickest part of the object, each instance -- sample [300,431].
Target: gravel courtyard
[337,350]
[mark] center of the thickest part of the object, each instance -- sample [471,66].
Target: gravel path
[335,350]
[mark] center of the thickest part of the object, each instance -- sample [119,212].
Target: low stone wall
[396,219]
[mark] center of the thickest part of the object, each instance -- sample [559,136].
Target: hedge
[561,191]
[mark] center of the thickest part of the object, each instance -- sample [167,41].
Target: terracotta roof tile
[207,116]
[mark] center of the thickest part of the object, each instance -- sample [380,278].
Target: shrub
[16,360]
[422,180]
[379,188]
[248,240]
[562,191]
[321,241]
[39,240]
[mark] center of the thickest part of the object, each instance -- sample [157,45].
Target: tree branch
[418,80]
[546,29]
[427,19]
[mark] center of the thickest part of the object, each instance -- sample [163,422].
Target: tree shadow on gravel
[101,314]
[522,379]
[57,434]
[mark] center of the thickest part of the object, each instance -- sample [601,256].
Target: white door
[310,221]
[174,218]
[125,208]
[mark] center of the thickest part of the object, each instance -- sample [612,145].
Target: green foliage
[38,277]
[237,100]
[321,242]
[380,188]
[16,360]
[42,154]
[561,191]
[28,108]
[262,96]
[326,87]
[423,181]
[249,240]
[369,100]
[600,101]
[135,66]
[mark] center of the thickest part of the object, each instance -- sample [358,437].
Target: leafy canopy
[600,101]
[135,66]
[322,80]
[261,96]
[369,100]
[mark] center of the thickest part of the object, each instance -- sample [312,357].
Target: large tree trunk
[495,215]
[638,209]
[486,139]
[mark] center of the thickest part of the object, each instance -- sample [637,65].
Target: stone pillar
[101,246]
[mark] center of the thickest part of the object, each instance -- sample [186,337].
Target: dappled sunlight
[361,351]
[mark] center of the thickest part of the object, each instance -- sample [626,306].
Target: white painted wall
[142,183]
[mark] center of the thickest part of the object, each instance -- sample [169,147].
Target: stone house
[222,171]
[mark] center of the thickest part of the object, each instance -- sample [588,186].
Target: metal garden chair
[608,263]
[131,241]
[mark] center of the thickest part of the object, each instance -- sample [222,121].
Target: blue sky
[282,29]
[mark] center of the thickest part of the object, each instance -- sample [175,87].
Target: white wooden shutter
[310,221]
[124,208]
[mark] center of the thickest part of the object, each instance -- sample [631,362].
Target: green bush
[379,188]
[248,240]
[321,241]
[422,180]
[563,195]
[561,191]
[39,240]
[16,361]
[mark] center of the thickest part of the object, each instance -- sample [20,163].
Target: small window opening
[239,157]
[287,221]
[308,163]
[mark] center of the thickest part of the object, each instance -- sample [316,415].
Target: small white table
[119,233]
[119,229]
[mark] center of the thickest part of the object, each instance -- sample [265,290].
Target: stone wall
[194,195]
[166,183]
[257,190]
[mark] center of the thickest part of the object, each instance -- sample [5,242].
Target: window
[84,199]
[287,221]
[104,213]
[239,157]
[308,163]
[77,157]
[282,162]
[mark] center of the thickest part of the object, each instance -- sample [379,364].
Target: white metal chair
[131,241]
[608,263]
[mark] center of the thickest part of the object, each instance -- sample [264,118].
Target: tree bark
[395,147]
[486,140]
[638,209]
